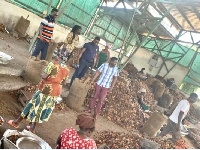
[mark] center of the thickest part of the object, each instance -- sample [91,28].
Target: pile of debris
[130,68]
[31,89]
[120,105]
[194,135]
[2,28]
[61,106]
[116,140]
[177,94]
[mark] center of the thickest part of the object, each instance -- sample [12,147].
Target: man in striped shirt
[107,80]
[45,34]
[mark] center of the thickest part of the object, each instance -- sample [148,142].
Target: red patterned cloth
[71,140]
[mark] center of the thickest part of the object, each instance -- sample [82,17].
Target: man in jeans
[86,57]
[45,34]
[106,82]
[175,120]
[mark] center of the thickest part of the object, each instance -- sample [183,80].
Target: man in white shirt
[105,83]
[174,122]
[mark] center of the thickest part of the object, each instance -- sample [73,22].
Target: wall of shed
[141,60]
[10,14]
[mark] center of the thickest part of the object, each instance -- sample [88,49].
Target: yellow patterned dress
[41,105]
[65,54]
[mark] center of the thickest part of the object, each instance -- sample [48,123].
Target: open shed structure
[156,25]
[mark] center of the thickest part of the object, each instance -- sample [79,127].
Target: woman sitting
[41,105]
[72,139]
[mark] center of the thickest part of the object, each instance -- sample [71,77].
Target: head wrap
[85,121]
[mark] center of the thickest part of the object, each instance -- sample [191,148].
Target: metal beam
[169,16]
[174,42]
[196,11]
[158,23]
[88,30]
[185,17]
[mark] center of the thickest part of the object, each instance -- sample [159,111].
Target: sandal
[29,129]
[10,122]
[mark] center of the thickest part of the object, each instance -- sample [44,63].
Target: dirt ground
[59,120]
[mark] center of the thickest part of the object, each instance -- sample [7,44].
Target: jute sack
[148,144]
[22,26]
[159,89]
[154,124]
[77,94]
[165,101]
[34,69]
[173,106]
[150,81]
[50,51]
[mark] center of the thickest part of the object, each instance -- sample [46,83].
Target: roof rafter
[196,12]
[169,16]
[185,17]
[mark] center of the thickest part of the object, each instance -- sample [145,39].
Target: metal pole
[158,23]
[62,10]
[87,31]
[123,45]
[49,6]
[177,37]
[119,60]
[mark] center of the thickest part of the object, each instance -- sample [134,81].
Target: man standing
[45,34]
[174,122]
[106,82]
[86,57]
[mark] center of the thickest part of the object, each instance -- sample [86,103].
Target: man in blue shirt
[86,57]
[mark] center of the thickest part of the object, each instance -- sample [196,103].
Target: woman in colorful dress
[41,105]
[104,56]
[70,42]
[72,139]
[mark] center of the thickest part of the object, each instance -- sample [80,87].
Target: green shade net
[79,12]
[172,51]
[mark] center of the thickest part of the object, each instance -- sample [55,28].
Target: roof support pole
[174,42]
[139,46]
[123,45]
[89,28]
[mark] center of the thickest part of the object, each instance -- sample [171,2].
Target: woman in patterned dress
[70,42]
[72,139]
[41,105]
